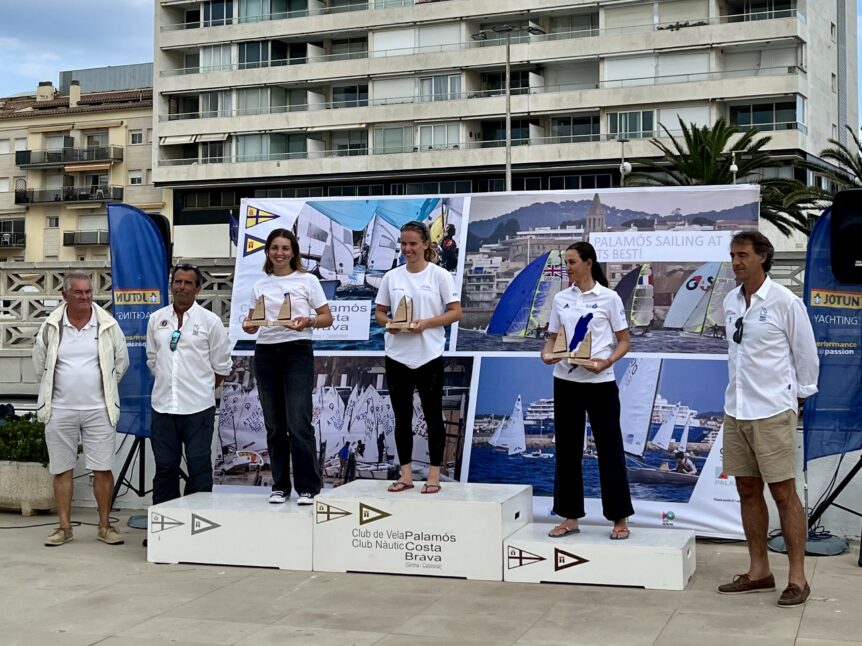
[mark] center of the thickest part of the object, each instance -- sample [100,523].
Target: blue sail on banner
[833,417]
[139,272]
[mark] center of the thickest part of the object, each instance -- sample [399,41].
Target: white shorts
[94,429]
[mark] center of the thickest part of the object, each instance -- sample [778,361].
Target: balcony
[101,193]
[66,156]
[10,239]
[84,238]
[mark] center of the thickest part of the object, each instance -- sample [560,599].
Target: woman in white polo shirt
[284,366]
[414,355]
[588,306]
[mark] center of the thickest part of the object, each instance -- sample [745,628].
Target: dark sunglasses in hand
[737,336]
[175,339]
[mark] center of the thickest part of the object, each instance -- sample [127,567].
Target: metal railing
[12,239]
[482,94]
[83,238]
[98,193]
[62,156]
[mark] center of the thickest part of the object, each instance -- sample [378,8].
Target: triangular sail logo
[368,514]
[201,524]
[516,557]
[564,559]
[323,513]
[161,523]
[254,216]
[252,245]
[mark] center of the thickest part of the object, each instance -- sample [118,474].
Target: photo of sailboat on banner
[524,308]
[698,306]
[638,296]
[509,435]
[638,389]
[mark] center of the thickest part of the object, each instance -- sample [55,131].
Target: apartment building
[302,98]
[63,158]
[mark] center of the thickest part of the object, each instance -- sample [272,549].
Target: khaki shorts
[761,448]
[97,435]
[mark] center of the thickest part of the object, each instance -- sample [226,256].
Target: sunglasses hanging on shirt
[175,339]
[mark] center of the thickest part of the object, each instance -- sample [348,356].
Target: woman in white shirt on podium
[588,306]
[284,366]
[414,352]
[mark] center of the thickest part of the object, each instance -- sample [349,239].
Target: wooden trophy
[565,350]
[403,317]
[285,319]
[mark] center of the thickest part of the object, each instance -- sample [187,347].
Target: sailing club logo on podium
[564,560]
[323,513]
[369,514]
[516,557]
[201,525]
[161,523]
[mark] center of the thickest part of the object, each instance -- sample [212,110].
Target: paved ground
[86,592]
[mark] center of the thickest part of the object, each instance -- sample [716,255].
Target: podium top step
[257,502]
[450,492]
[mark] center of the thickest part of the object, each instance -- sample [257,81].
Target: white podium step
[660,559]
[231,529]
[457,532]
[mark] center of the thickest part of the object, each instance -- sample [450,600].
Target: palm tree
[847,173]
[704,157]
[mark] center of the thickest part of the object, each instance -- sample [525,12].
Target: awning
[98,125]
[86,168]
[177,140]
[213,137]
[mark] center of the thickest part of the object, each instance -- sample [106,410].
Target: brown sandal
[430,488]
[398,487]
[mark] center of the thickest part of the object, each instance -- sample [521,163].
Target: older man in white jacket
[80,356]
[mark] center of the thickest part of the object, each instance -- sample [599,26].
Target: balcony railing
[299,13]
[63,156]
[83,238]
[12,239]
[100,193]
[496,92]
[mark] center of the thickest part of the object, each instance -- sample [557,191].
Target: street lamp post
[507,30]
[625,167]
[734,169]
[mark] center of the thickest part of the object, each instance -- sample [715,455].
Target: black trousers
[427,380]
[173,433]
[572,402]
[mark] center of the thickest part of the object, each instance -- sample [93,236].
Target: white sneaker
[278,498]
[305,499]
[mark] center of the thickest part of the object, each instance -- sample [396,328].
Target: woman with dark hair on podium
[284,366]
[588,306]
[414,351]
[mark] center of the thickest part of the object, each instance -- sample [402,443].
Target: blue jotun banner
[833,417]
[140,286]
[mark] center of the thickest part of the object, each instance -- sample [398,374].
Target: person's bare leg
[433,476]
[793,526]
[103,489]
[63,497]
[406,473]
[755,523]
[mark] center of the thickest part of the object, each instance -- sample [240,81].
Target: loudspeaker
[846,236]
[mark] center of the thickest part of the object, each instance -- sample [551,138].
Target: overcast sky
[41,38]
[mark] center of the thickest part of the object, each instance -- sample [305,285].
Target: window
[253,10]
[52,222]
[136,137]
[495,185]
[136,178]
[4,184]
[349,96]
[215,104]
[215,58]
[97,140]
[494,133]
[5,146]
[149,136]
[254,54]
[577,26]
[633,125]
[439,136]
[445,87]
[780,115]
[350,142]
[393,140]
[494,83]
[218,12]
[347,48]
[575,128]
[432,188]
[21,143]
[252,100]
[212,152]
[574,182]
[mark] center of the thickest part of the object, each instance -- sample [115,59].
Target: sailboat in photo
[638,389]
[509,435]
[638,296]
[524,308]
[698,306]
[663,436]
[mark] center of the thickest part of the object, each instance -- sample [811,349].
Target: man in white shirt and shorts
[773,366]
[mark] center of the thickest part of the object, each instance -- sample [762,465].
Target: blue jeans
[170,433]
[285,379]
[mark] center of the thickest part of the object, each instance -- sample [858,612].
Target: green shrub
[23,440]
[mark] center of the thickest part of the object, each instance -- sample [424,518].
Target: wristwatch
[312,318]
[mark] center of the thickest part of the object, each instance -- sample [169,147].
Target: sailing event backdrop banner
[664,250]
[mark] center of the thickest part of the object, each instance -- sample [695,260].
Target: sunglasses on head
[175,339]
[737,336]
[415,224]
